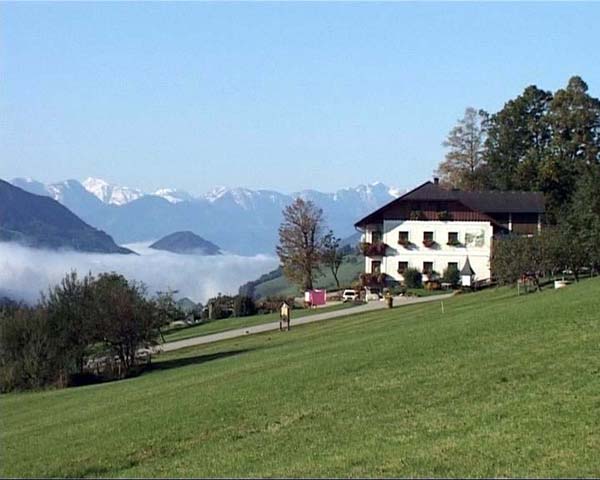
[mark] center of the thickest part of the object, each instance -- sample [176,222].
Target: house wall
[478,249]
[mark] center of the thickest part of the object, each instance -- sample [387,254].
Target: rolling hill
[41,222]
[498,385]
[274,284]
[186,243]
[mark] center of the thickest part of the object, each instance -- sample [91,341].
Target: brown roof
[486,201]
[499,202]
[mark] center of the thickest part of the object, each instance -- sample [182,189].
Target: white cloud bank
[25,272]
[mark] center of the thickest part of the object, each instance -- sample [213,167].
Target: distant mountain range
[238,220]
[186,243]
[41,222]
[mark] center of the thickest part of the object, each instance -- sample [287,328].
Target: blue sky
[283,96]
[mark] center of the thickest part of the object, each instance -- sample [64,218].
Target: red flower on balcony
[428,242]
[377,249]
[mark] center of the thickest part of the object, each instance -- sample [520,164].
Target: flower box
[444,216]
[373,249]
[416,215]
[404,242]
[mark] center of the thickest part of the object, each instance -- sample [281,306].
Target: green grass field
[498,385]
[349,270]
[239,322]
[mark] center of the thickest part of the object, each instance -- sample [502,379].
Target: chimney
[436,180]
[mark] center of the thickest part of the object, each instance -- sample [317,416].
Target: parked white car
[349,295]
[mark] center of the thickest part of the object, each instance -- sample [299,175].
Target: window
[427,267]
[376,237]
[428,239]
[376,267]
[453,238]
[402,266]
[452,265]
[402,238]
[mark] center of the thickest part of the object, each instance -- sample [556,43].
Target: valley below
[25,272]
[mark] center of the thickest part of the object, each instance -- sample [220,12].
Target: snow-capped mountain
[70,193]
[238,219]
[111,194]
[216,193]
[173,195]
[244,198]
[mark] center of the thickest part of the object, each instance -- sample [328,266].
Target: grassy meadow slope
[352,266]
[498,385]
[231,323]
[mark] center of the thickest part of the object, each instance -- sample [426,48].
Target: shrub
[451,275]
[272,304]
[413,278]
[26,359]
[372,279]
[432,285]
[244,306]
[102,322]
[398,290]
[216,311]
[219,307]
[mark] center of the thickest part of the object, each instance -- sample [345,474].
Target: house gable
[428,200]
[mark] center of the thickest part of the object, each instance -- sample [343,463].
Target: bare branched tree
[333,255]
[464,164]
[301,242]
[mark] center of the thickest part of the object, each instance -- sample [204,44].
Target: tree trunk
[335,277]
[308,281]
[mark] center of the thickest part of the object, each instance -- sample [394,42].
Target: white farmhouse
[431,228]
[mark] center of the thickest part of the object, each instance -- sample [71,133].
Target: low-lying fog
[24,272]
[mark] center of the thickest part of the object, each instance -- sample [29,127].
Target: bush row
[89,327]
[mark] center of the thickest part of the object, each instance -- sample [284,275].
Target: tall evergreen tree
[583,218]
[517,141]
[574,120]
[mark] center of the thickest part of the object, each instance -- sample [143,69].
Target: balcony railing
[377,249]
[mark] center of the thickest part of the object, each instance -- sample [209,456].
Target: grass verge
[498,385]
